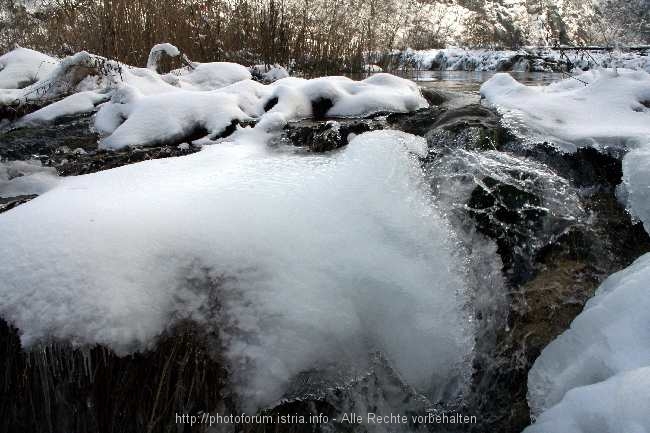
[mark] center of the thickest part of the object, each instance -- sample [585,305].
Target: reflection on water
[468,81]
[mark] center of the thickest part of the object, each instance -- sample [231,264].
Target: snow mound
[82,102]
[600,108]
[174,116]
[215,75]
[156,52]
[26,178]
[619,404]
[22,66]
[342,255]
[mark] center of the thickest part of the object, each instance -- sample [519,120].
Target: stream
[527,230]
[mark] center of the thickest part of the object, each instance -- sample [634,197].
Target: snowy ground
[594,377]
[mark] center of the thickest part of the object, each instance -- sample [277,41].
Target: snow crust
[342,255]
[23,66]
[601,108]
[82,102]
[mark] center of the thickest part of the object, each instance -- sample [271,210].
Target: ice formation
[314,260]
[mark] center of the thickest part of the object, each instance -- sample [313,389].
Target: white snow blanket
[314,260]
[169,116]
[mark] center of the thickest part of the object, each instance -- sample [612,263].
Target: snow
[23,66]
[156,53]
[78,103]
[607,111]
[522,60]
[457,59]
[208,76]
[610,336]
[619,404]
[314,260]
[269,73]
[172,116]
[26,178]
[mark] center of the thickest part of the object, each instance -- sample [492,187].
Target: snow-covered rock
[157,51]
[22,66]
[269,73]
[78,103]
[343,254]
[600,108]
[616,405]
[174,116]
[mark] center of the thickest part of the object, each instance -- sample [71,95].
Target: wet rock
[419,122]
[7,203]
[434,96]
[326,136]
[71,146]
[563,273]
[320,107]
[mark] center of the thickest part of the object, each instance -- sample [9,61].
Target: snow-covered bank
[523,60]
[313,260]
[208,99]
[594,377]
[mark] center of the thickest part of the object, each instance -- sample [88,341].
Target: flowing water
[491,234]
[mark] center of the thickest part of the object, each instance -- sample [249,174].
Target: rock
[326,136]
[434,96]
[7,203]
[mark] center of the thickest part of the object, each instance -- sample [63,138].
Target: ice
[26,178]
[600,108]
[297,261]
[619,404]
[22,66]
